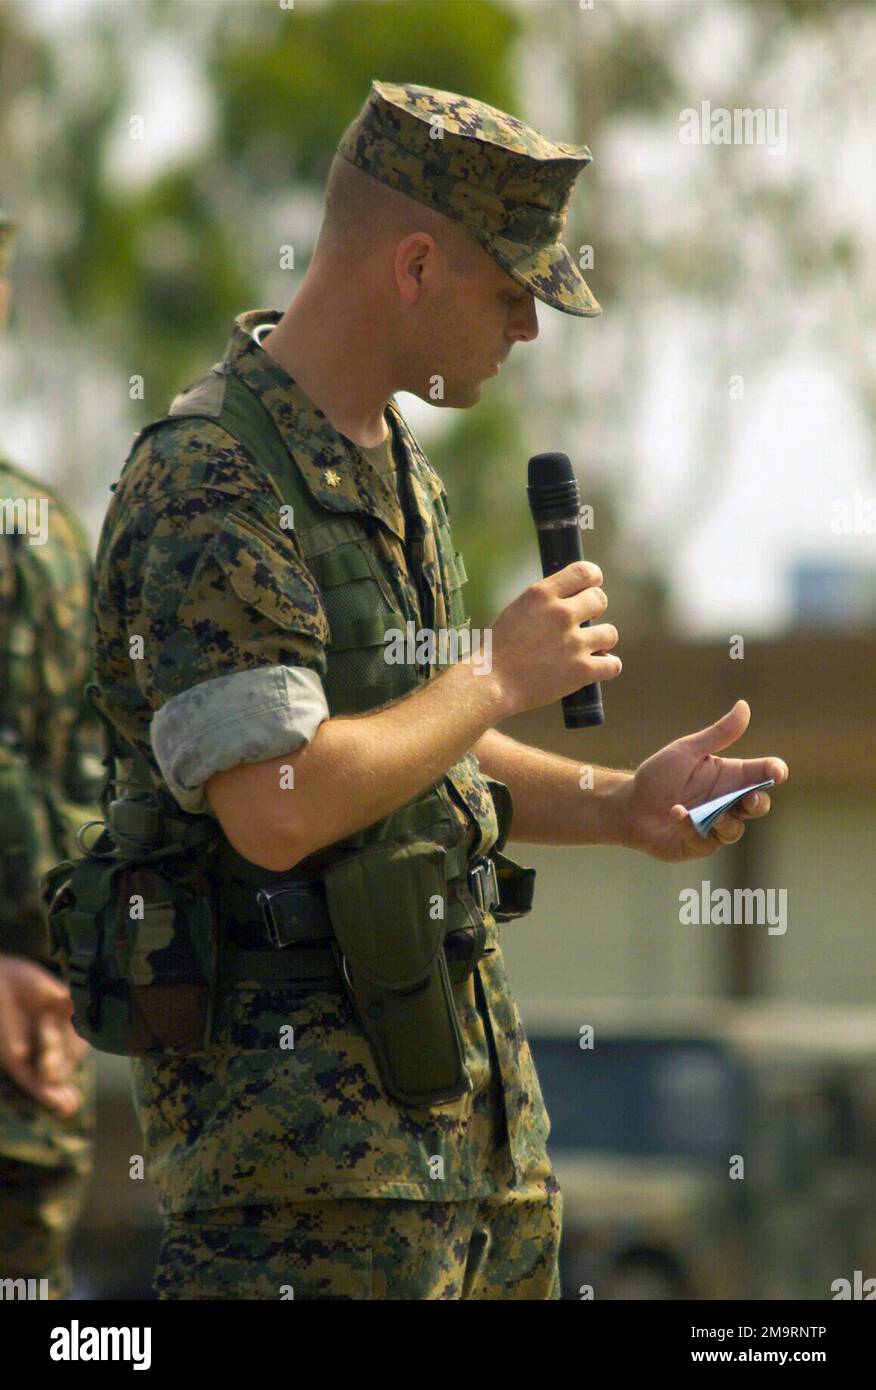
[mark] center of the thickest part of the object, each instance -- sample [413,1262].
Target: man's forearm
[557,801]
[356,769]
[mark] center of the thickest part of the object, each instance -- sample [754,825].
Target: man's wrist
[614,819]
[484,687]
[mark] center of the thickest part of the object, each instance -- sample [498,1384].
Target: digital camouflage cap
[7,233]
[506,182]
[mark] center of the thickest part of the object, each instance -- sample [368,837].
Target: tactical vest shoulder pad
[205,397]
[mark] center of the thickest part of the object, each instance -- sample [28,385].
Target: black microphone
[555,504]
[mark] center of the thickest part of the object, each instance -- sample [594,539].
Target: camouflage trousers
[45,1164]
[504,1246]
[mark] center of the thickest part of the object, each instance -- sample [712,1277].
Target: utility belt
[139,926]
[296,921]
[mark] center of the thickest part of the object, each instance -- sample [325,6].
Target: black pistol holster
[394,966]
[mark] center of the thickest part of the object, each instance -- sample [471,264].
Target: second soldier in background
[48,777]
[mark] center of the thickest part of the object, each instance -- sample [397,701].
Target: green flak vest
[361,609]
[161,981]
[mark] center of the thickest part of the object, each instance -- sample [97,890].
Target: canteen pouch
[138,939]
[387,905]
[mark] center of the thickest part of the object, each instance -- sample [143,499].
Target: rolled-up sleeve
[233,637]
[247,717]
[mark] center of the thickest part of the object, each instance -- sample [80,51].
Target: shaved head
[363,214]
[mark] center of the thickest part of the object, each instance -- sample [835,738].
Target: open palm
[686,773]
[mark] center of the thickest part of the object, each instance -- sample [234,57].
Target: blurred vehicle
[650,1125]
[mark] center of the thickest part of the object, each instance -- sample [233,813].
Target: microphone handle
[559,544]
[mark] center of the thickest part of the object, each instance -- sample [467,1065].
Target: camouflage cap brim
[549,272]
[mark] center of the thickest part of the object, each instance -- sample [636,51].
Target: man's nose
[524,326]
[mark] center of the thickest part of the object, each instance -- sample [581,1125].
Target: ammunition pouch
[394,966]
[136,932]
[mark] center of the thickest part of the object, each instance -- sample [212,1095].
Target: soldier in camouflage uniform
[46,1078]
[294,1172]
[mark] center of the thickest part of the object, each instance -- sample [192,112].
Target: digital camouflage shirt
[49,739]
[49,778]
[210,643]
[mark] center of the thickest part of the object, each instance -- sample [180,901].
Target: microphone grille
[545,470]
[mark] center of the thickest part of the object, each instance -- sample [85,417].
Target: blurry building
[606,921]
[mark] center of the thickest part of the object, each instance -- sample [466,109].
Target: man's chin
[457,397]
[462,396]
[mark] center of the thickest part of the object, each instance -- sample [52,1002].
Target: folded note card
[704,816]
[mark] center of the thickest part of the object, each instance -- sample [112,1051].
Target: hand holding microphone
[544,648]
[555,506]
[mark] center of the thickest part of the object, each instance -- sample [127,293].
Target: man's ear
[414,256]
[5,289]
